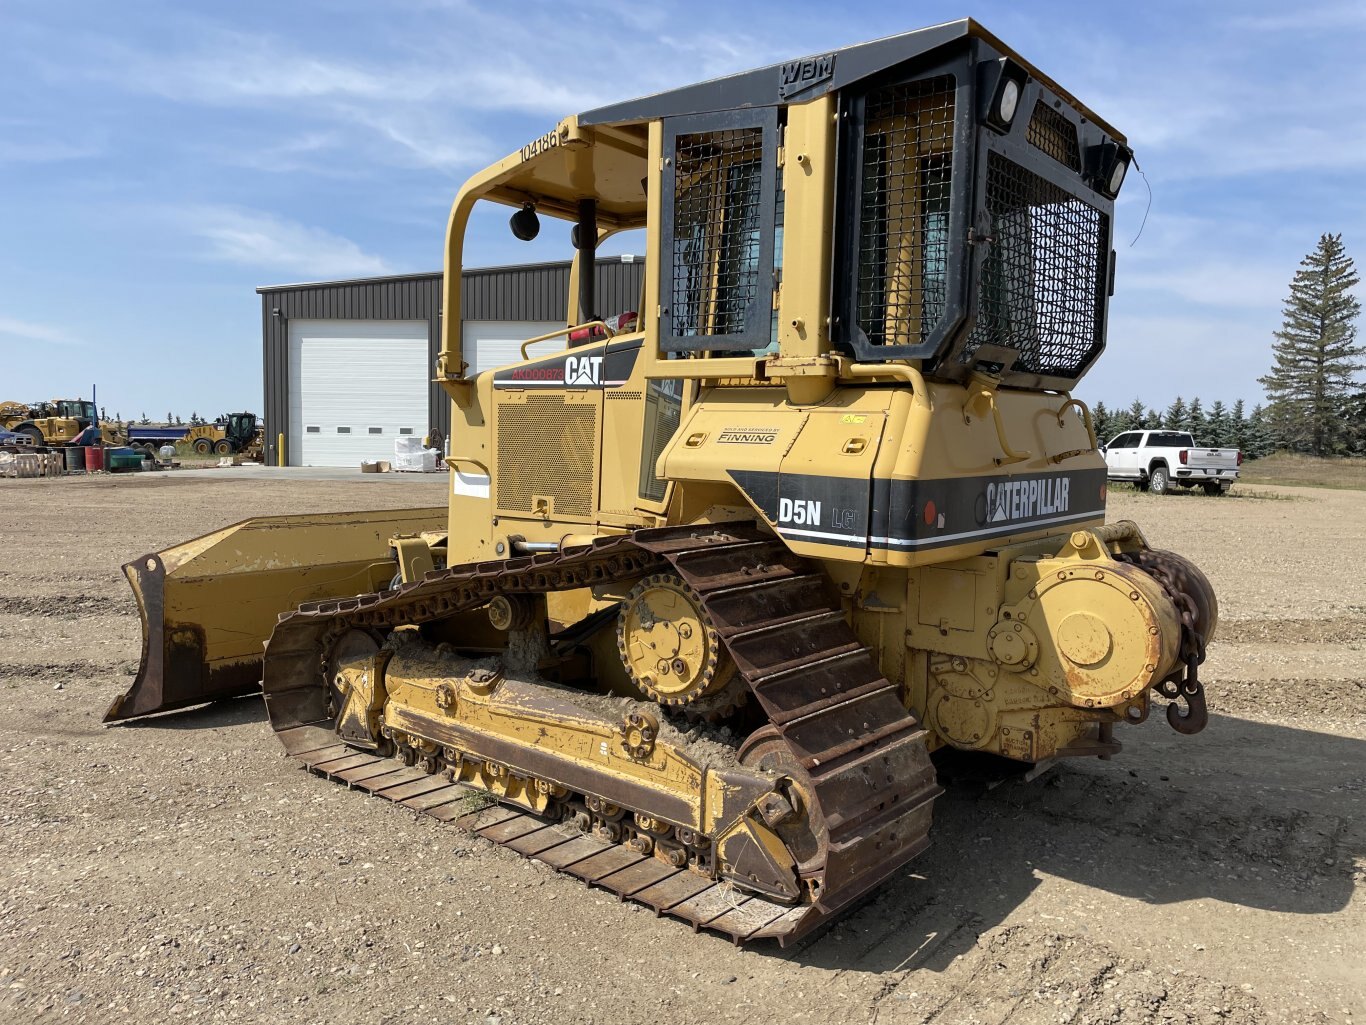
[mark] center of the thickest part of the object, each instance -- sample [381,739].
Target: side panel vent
[1051,132]
[547,446]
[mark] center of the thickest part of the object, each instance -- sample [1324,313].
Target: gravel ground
[179,869]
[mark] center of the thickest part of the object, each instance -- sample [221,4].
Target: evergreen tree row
[1316,401]
[1219,426]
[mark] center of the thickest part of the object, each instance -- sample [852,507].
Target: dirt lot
[180,869]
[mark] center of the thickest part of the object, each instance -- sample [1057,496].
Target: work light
[1106,166]
[1003,81]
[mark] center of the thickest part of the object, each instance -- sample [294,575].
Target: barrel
[94,457]
[75,458]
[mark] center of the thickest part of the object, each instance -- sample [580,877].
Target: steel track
[864,756]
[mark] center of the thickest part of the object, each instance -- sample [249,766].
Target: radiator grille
[547,447]
[716,231]
[904,215]
[1051,132]
[1043,280]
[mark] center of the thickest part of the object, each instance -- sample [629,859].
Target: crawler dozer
[717,580]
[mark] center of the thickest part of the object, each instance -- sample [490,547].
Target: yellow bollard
[280,449]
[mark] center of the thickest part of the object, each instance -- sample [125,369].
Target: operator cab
[78,409]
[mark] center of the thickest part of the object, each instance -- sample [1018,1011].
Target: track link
[864,756]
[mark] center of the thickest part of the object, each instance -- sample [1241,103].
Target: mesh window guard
[1043,279]
[716,234]
[1051,132]
[907,173]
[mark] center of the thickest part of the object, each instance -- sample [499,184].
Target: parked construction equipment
[709,593]
[57,422]
[235,434]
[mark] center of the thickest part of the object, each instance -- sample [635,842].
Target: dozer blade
[209,605]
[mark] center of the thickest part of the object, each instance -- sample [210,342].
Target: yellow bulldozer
[710,592]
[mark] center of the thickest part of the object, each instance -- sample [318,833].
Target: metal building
[347,365]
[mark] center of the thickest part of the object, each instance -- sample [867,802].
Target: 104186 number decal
[537,146]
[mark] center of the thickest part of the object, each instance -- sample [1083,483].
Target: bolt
[680,667]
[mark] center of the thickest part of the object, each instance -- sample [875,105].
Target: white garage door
[355,386]
[496,343]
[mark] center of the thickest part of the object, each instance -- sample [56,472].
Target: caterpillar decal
[598,366]
[920,514]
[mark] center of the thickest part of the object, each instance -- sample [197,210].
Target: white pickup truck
[1156,460]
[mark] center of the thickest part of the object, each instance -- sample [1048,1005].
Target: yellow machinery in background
[712,589]
[236,434]
[56,422]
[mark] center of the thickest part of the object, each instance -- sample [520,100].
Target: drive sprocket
[672,652]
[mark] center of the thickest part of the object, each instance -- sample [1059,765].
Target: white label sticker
[473,485]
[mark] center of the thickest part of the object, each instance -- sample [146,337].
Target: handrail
[898,371]
[469,461]
[565,331]
[982,393]
[1085,415]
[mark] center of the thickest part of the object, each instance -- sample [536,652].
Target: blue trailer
[149,438]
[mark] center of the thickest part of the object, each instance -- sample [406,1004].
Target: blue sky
[158,161]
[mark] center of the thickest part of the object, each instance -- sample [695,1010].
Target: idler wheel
[799,824]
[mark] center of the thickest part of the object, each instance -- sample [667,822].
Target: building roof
[428,275]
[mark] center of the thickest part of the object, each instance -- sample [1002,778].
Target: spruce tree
[1316,355]
[1138,416]
[1175,416]
[1354,423]
[1259,438]
[1195,419]
[1100,420]
[1237,427]
[1216,426]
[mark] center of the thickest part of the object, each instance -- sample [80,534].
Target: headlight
[1117,176]
[1010,100]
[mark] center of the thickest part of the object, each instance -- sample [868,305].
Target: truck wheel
[1158,481]
[222,447]
[1212,487]
[35,435]
[202,446]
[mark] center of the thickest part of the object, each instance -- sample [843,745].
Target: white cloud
[32,331]
[31,142]
[265,242]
